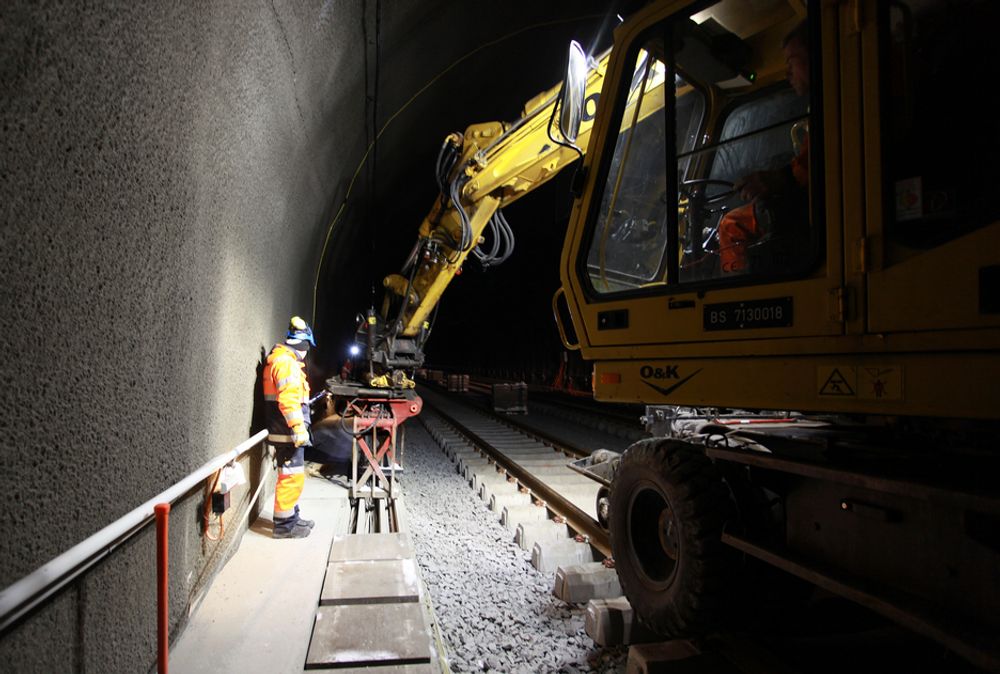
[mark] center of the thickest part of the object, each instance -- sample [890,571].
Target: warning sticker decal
[869,382]
[837,382]
[880,383]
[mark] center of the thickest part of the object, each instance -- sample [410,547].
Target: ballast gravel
[495,612]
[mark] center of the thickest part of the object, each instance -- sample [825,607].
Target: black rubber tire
[668,509]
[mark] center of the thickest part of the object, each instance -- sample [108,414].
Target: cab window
[630,241]
[717,187]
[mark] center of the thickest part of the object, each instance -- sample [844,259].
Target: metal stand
[375,436]
[373,452]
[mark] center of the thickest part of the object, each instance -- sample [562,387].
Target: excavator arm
[479,172]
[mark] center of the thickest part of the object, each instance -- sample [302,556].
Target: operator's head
[300,335]
[796,49]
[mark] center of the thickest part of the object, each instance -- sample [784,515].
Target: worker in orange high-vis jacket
[286,400]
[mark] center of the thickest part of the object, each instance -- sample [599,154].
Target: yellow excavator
[796,267]
[785,244]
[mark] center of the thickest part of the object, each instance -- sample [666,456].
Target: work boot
[296,531]
[303,522]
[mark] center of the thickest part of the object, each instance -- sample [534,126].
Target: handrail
[29,592]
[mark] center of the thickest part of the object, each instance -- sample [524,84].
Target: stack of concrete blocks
[510,398]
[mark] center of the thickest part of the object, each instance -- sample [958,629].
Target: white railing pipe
[21,597]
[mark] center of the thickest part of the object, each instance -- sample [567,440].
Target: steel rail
[539,435]
[575,518]
[556,443]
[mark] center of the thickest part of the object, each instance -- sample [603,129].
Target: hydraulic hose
[503,242]
[456,201]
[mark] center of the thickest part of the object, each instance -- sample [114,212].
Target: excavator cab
[788,247]
[760,176]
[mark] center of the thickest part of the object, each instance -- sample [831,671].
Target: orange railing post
[162,511]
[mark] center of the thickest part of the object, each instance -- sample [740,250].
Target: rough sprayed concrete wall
[167,171]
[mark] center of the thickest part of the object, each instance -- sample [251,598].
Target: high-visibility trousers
[291,479]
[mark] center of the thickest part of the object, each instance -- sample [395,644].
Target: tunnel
[177,180]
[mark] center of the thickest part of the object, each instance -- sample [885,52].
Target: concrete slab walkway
[258,613]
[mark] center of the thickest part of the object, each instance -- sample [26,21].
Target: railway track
[581,424]
[549,509]
[513,465]
[522,474]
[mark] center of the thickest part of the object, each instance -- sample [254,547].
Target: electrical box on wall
[220,502]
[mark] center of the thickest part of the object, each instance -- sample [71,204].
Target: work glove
[300,435]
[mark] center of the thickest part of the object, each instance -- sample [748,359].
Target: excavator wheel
[668,507]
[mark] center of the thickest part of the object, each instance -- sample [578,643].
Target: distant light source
[354,350]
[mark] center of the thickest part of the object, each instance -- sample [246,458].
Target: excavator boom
[488,167]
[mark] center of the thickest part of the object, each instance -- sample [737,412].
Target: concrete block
[675,657]
[586,491]
[371,582]
[489,487]
[587,504]
[500,501]
[343,635]
[578,584]
[548,556]
[514,515]
[553,470]
[506,439]
[535,451]
[451,447]
[529,533]
[612,622]
[545,462]
[484,475]
[517,447]
[573,482]
[467,464]
[360,547]
[527,449]
[454,444]
[467,454]
[397,669]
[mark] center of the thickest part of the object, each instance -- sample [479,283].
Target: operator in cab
[741,227]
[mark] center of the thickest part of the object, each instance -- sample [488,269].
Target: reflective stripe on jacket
[286,394]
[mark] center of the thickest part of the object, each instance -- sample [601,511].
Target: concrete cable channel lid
[370,611]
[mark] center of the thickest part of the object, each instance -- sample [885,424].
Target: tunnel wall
[168,171]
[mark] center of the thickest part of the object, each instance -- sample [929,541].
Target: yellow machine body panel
[869,283]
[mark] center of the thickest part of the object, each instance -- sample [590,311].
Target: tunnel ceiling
[439,67]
